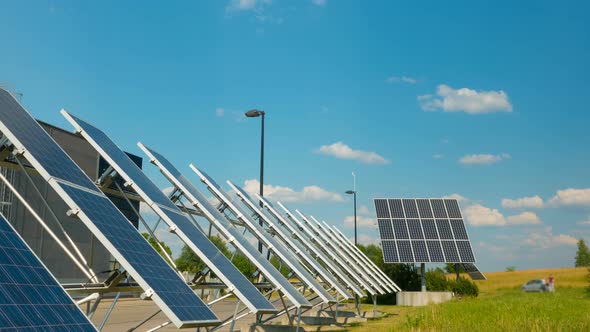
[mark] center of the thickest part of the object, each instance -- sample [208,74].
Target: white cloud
[364,210]
[360,222]
[288,195]
[479,215]
[524,202]
[571,197]
[544,238]
[365,239]
[237,5]
[458,197]
[219,111]
[403,79]
[343,151]
[525,218]
[483,159]
[465,100]
[438,156]
[319,2]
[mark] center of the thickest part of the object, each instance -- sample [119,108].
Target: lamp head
[350,192]
[254,113]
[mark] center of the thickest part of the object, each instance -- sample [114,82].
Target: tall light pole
[353,192]
[254,114]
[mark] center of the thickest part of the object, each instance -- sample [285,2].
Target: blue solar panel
[143,263]
[30,298]
[117,158]
[26,130]
[140,256]
[389,251]
[382,208]
[189,233]
[425,219]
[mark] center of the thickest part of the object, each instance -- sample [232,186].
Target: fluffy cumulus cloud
[465,100]
[571,197]
[545,238]
[361,221]
[458,197]
[483,159]
[289,195]
[523,203]
[343,151]
[401,79]
[479,215]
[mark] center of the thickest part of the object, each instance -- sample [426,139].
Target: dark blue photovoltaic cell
[438,206]
[420,252]
[38,143]
[459,229]
[389,252]
[424,208]
[453,208]
[435,250]
[30,298]
[400,229]
[167,285]
[410,208]
[386,229]
[465,251]
[473,271]
[396,209]
[429,229]
[405,252]
[122,160]
[444,229]
[382,208]
[415,229]
[450,251]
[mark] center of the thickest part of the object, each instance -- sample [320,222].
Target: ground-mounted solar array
[423,231]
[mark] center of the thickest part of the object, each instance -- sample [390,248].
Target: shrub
[511,269]
[465,287]
[437,281]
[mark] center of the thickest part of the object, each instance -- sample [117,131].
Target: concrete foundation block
[417,299]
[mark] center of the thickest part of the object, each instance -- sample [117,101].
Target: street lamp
[254,114]
[353,192]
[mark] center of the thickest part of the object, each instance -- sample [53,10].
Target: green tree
[583,254]
[450,268]
[243,264]
[190,262]
[154,244]
[275,261]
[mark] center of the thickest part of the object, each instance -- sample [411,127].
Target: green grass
[500,307]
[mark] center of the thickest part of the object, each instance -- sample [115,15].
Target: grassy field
[501,306]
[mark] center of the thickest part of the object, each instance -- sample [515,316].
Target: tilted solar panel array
[95,210]
[226,228]
[164,207]
[30,297]
[423,231]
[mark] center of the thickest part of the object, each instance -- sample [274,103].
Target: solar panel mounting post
[423,276]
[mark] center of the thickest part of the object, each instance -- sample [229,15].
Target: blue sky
[486,101]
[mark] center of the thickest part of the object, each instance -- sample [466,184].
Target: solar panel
[473,271]
[31,299]
[350,256]
[307,229]
[337,234]
[314,250]
[431,230]
[173,217]
[390,251]
[225,227]
[167,289]
[290,242]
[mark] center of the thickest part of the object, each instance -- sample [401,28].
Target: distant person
[551,284]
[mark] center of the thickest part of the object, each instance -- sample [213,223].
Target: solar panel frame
[224,227]
[301,237]
[31,298]
[299,250]
[350,256]
[147,283]
[178,221]
[307,229]
[338,234]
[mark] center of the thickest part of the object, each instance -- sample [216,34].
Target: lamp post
[254,113]
[353,192]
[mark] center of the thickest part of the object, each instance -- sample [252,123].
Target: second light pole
[254,114]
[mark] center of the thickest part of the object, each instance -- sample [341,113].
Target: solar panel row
[423,230]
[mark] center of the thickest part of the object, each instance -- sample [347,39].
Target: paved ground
[130,311]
